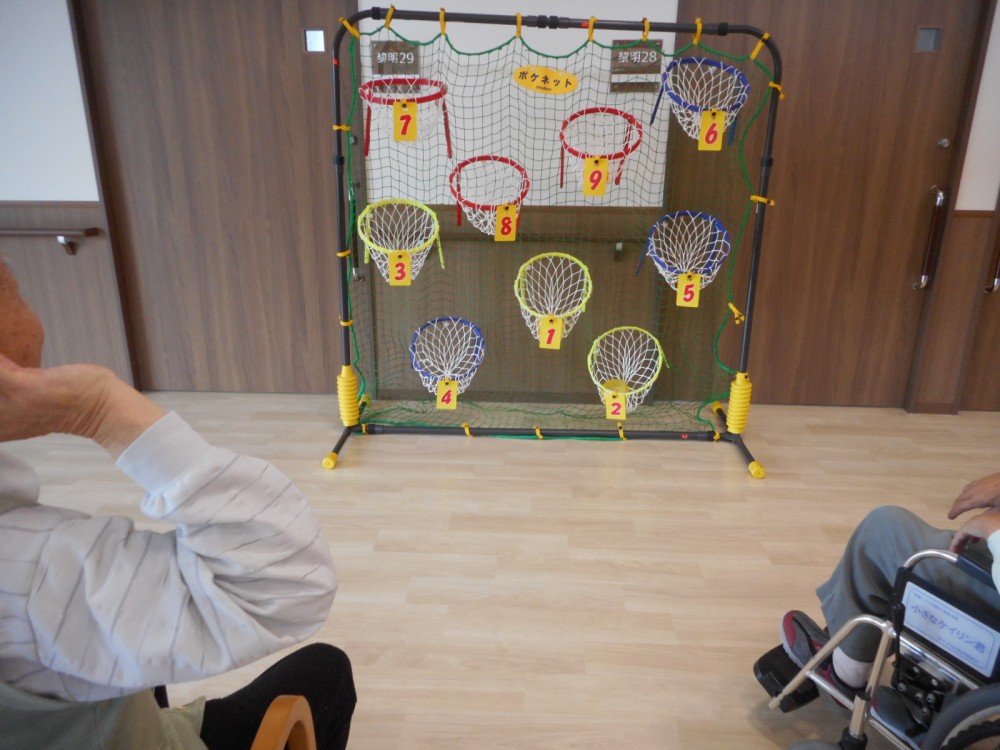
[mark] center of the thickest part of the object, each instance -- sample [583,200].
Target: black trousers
[320,672]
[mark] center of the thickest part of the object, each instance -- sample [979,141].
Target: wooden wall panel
[214,128]
[981,389]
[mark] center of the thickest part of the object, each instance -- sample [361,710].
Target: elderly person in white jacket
[94,614]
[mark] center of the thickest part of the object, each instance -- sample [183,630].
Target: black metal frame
[559,22]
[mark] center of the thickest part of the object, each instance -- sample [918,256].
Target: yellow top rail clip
[347,25]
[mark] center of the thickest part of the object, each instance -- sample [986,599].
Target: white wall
[980,186]
[45,152]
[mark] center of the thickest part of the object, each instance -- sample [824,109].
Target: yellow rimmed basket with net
[625,361]
[552,287]
[398,234]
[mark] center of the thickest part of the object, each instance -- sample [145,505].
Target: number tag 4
[506,230]
[399,268]
[595,176]
[404,121]
[614,406]
[713,125]
[550,332]
[688,289]
[447,395]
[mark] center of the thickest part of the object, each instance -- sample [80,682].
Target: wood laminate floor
[499,593]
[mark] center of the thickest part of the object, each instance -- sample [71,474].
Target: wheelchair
[936,680]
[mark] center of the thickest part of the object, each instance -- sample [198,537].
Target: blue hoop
[478,352]
[716,257]
[665,77]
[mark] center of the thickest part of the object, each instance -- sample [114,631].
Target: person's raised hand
[980,493]
[974,529]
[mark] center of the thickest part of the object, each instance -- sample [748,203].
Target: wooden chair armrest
[288,722]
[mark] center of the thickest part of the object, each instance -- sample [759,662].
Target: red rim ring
[368,88]
[630,119]
[456,188]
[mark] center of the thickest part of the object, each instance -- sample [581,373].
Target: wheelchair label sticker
[954,631]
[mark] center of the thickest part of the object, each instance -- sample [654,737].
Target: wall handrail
[65,237]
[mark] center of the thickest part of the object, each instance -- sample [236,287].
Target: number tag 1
[595,176]
[713,125]
[404,121]
[506,230]
[615,406]
[399,268]
[447,396]
[688,289]
[550,332]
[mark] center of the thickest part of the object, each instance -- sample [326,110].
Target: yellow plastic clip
[364,428]
[737,315]
[388,16]
[443,24]
[760,46]
[343,254]
[518,25]
[761,199]
[716,437]
[538,433]
[697,33]
[468,432]
[777,87]
[347,323]
[645,34]
[342,127]
[621,432]
[590,28]
[347,25]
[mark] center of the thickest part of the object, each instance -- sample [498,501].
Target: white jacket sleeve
[246,572]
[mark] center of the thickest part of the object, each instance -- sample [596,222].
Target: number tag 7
[404,119]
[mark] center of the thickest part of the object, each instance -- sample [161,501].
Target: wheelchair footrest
[774,670]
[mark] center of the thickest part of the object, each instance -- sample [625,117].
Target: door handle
[994,286]
[933,238]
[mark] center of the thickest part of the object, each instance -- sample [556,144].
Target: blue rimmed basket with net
[695,85]
[685,242]
[447,348]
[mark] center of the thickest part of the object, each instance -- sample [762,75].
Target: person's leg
[863,580]
[320,672]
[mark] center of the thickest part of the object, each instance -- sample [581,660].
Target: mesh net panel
[625,360]
[697,84]
[552,284]
[688,242]
[447,348]
[393,225]
[518,384]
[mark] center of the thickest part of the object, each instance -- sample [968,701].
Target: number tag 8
[506,229]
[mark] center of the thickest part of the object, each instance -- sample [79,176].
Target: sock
[852,672]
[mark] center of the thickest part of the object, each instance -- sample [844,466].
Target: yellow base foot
[757,470]
[330,461]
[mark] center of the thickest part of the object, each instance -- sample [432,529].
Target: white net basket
[482,184]
[688,242]
[697,84]
[600,132]
[552,284]
[625,360]
[398,225]
[447,348]
[381,94]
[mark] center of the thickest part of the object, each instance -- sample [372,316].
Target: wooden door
[857,151]
[213,128]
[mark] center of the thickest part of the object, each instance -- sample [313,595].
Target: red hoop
[370,92]
[455,183]
[633,125]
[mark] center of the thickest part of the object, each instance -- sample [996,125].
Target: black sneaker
[802,638]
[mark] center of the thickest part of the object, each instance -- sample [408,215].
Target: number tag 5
[688,289]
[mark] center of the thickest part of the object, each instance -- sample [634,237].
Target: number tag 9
[595,176]
[399,268]
[506,230]
[688,289]
[713,125]
[550,332]
[615,406]
[447,394]
[404,121]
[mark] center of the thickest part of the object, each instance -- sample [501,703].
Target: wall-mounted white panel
[980,186]
[45,152]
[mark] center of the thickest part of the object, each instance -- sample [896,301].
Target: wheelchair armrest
[978,565]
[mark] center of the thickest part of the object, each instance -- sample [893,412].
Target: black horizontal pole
[386,429]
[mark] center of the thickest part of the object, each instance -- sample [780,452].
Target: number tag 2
[713,125]
[688,289]
[550,332]
[595,176]
[615,406]
[506,230]
[447,394]
[399,268]
[404,121]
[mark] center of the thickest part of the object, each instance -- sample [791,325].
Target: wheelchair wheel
[969,721]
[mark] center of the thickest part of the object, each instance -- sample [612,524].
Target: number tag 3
[506,230]
[399,269]
[404,119]
[447,396]
[688,289]
[614,406]
[550,332]
[595,176]
[713,125]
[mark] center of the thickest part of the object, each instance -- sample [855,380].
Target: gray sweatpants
[862,581]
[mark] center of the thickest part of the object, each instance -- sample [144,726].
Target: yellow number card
[550,332]
[447,396]
[688,289]
[713,125]
[399,269]
[595,176]
[404,118]
[506,230]
[614,406]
